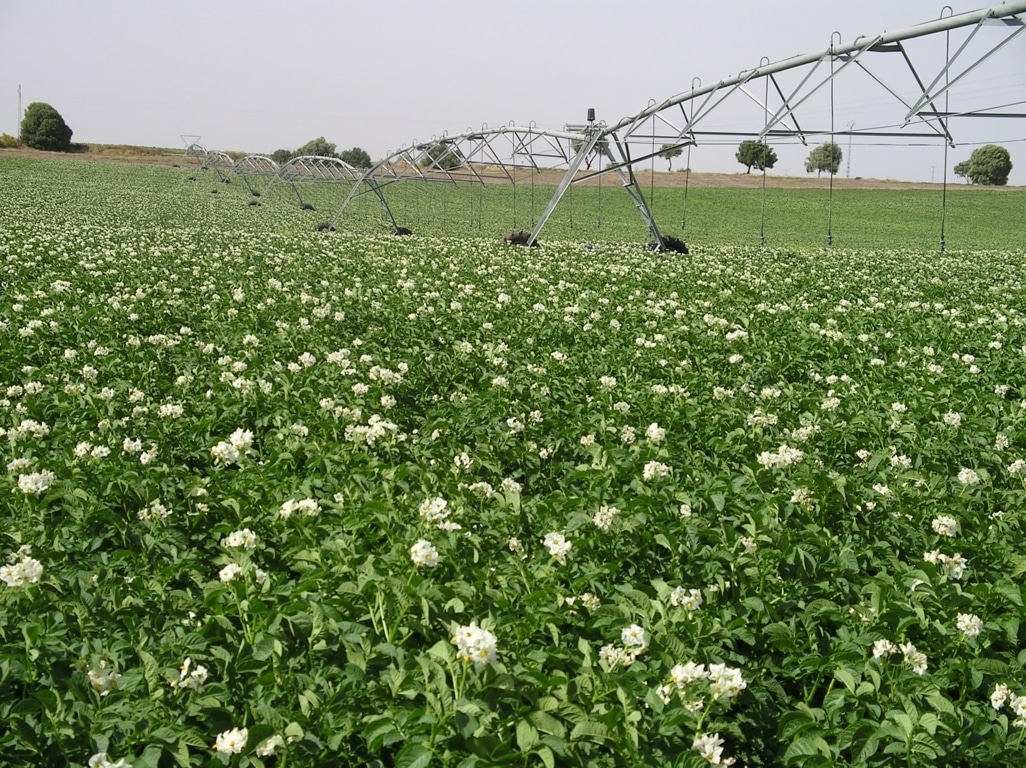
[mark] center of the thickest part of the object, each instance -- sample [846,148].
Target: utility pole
[851,128]
[19,112]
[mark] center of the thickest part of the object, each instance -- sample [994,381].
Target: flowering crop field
[975,218]
[305,499]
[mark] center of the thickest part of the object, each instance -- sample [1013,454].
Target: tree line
[989,165]
[43,127]
[321,147]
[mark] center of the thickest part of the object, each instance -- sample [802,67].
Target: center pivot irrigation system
[907,88]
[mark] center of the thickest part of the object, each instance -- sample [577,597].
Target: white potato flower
[424,553]
[558,545]
[231,742]
[475,644]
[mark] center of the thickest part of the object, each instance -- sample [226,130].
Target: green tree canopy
[356,157]
[989,165]
[825,157]
[670,151]
[281,156]
[442,155]
[757,154]
[319,146]
[44,128]
[598,149]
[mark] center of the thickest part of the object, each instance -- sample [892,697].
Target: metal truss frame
[925,114]
[796,96]
[791,107]
[220,163]
[314,169]
[254,166]
[479,156]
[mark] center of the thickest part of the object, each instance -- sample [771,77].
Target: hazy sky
[258,75]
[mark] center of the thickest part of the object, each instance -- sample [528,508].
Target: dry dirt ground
[120,153]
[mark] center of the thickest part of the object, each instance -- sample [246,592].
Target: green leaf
[151,756]
[547,757]
[181,753]
[151,673]
[846,678]
[380,733]
[547,704]
[903,720]
[940,703]
[546,723]
[527,736]
[869,748]
[589,729]
[413,755]
[806,746]
[1011,591]
[442,650]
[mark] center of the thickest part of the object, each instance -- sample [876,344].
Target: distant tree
[669,151]
[281,156]
[598,149]
[825,157]
[44,128]
[319,146]
[443,155]
[988,165]
[757,154]
[357,158]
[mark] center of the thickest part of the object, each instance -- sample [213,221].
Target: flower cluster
[100,760]
[22,569]
[424,553]
[229,451]
[603,519]
[710,747]
[689,599]
[37,429]
[783,457]
[951,566]
[437,511]
[189,677]
[230,573]
[558,545]
[911,656]
[969,625]
[945,525]
[231,742]
[968,476]
[1002,695]
[308,507]
[269,746]
[240,539]
[654,433]
[634,641]
[691,682]
[36,483]
[475,644]
[434,510]
[102,679]
[655,470]
[376,428]
[155,510]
